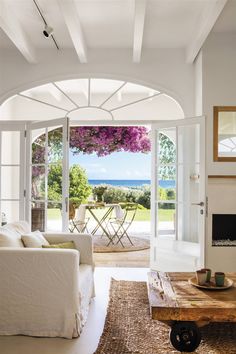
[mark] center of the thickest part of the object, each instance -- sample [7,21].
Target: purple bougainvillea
[106,140]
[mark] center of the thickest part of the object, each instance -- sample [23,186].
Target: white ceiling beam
[204,27]
[69,11]
[15,32]
[139,19]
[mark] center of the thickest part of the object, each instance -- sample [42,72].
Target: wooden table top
[172,298]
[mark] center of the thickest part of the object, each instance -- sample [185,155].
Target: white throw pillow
[9,238]
[22,227]
[34,239]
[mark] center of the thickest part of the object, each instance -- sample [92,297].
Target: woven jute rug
[129,330]
[100,245]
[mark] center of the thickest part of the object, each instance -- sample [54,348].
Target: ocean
[130,183]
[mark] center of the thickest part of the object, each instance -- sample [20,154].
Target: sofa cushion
[10,238]
[69,244]
[34,239]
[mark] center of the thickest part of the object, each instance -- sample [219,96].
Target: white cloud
[138,173]
[128,173]
[92,165]
[95,169]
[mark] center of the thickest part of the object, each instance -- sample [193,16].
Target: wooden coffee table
[185,308]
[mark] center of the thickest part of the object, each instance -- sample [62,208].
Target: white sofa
[44,292]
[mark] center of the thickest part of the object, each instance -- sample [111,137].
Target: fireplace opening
[223,230]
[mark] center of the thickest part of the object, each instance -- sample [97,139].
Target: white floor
[88,341]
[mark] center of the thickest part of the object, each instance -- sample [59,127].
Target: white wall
[219,89]
[198,84]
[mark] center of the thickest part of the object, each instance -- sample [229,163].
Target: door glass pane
[55,182]
[188,183]
[167,182]
[38,182]
[188,228]
[10,210]
[167,164]
[38,216]
[55,145]
[189,144]
[166,219]
[38,146]
[167,146]
[10,182]
[10,148]
[54,216]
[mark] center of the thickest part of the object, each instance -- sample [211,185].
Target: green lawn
[164,215]
[141,215]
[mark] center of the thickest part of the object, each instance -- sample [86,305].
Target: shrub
[162,194]
[170,194]
[167,194]
[114,195]
[145,197]
[141,196]
[98,192]
[119,195]
[133,195]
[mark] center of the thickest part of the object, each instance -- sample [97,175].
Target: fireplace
[224,230]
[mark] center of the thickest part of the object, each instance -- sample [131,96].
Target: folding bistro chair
[121,225]
[77,220]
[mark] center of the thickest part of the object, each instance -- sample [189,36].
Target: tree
[79,189]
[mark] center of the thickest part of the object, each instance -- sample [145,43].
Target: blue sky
[118,165]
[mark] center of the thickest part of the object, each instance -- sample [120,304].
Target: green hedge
[141,196]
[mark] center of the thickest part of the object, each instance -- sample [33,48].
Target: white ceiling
[92,24]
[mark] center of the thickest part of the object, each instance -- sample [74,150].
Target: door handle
[201,204]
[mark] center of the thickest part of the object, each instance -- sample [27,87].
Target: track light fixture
[48,31]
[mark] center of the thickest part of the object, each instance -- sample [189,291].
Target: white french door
[47,166]
[178,195]
[12,163]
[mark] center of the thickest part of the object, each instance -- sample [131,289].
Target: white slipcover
[46,292]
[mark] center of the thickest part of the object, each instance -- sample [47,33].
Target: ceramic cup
[219,278]
[201,276]
[208,273]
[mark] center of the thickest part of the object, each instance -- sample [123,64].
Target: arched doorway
[108,102]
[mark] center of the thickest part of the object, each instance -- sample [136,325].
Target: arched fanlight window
[92,99]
